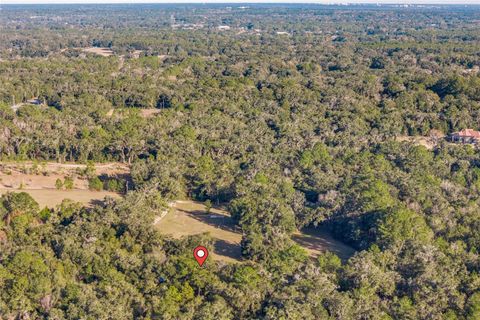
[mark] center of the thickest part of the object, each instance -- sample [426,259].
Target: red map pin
[200,254]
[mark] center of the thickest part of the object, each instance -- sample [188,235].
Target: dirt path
[19,168]
[164,213]
[190,218]
[52,198]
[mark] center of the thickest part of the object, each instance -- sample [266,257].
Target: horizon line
[253,2]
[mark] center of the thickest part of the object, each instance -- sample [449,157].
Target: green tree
[68,183]
[95,184]
[58,184]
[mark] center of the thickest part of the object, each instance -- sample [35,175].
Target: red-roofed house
[466,136]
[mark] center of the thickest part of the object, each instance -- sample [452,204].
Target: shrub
[208,205]
[114,185]
[68,183]
[95,184]
[58,184]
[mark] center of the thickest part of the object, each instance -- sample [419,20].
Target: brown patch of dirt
[48,168]
[147,113]
[17,181]
[427,142]
[136,54]
[104,52]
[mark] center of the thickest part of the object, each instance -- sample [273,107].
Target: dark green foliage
[378,63]
[317,126]
[95,184]
[473,306]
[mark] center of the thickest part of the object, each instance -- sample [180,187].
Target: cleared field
[39,181]
[190,218]
[51,198]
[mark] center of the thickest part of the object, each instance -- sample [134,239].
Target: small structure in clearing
[34,101]
[223,28]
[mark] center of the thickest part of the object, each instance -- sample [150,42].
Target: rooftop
[468,133]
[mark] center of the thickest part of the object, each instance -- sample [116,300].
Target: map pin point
[200,254]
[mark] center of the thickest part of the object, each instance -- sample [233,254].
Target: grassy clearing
[189,218]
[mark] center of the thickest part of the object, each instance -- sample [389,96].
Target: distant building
[223,28]
[34,101]
[465,136]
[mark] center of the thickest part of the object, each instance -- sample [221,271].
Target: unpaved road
[39,182]
[51,198]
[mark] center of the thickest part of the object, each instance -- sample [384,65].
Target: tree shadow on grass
[96,202]
[213,219]
[320,240]
[228,249]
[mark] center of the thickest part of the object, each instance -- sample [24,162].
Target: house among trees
[465,136]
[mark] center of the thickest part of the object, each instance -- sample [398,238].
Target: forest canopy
[288,116]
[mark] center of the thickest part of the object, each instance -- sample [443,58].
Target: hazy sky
[248,1]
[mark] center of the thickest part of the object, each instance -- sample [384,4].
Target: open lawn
[190,218]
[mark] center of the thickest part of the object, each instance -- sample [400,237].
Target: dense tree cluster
[286,130]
